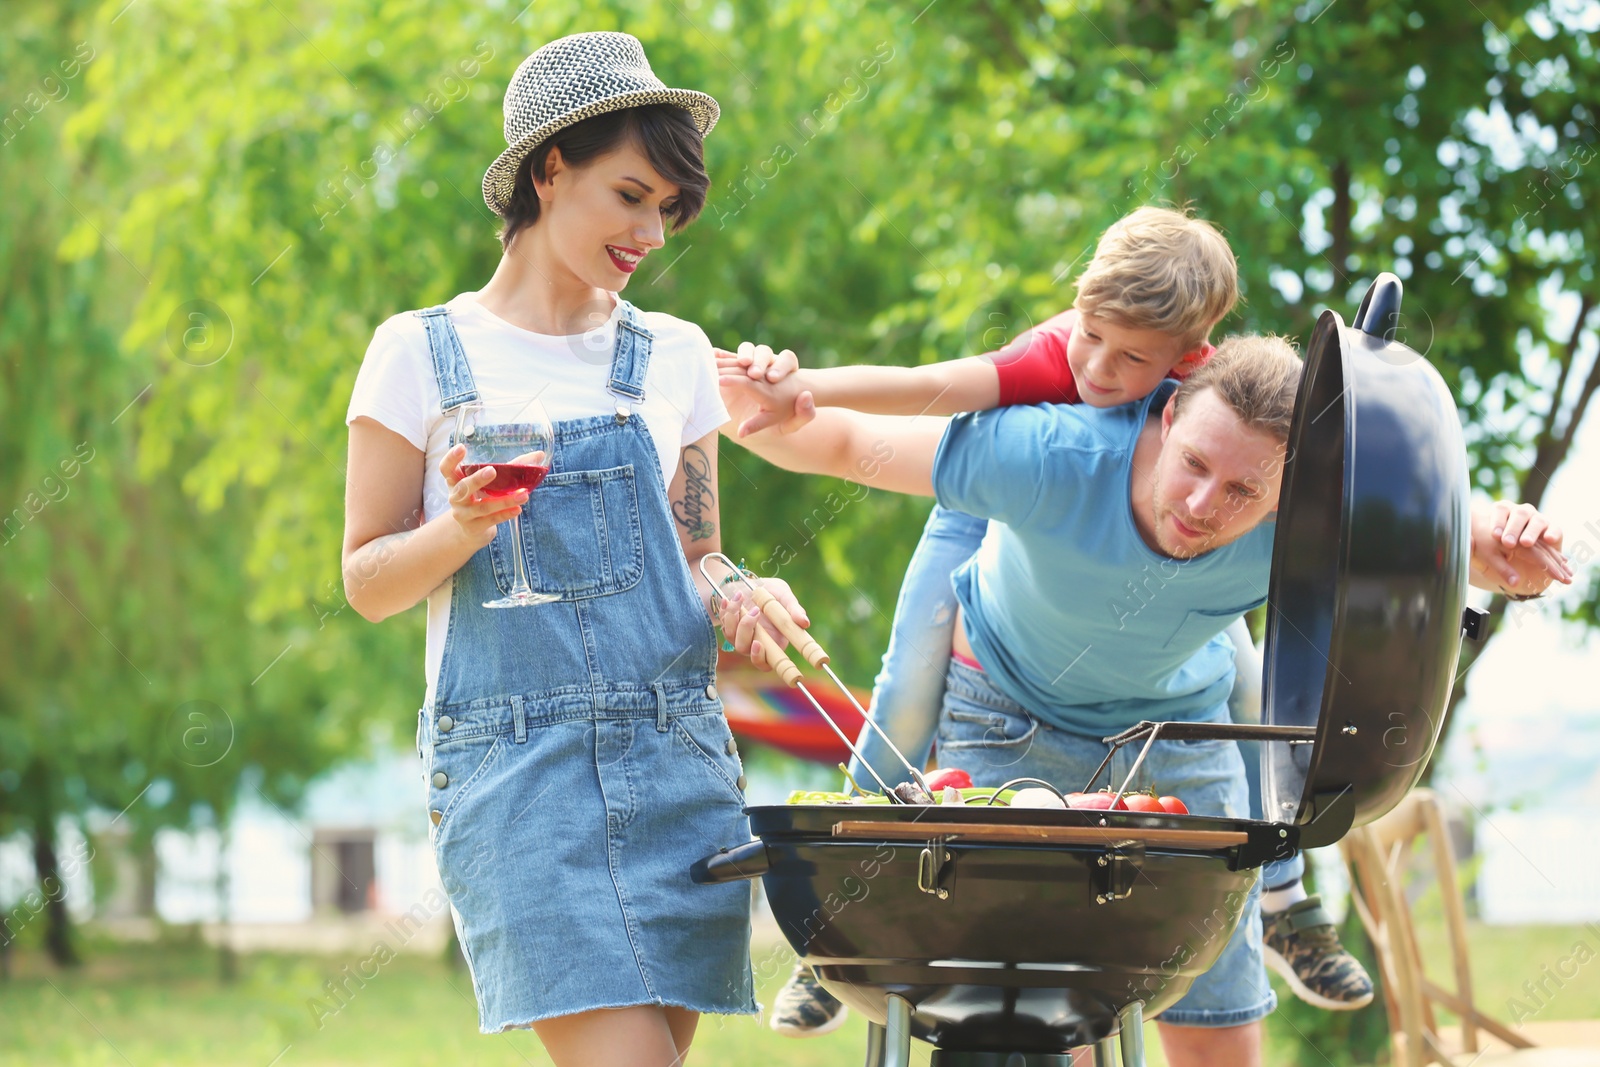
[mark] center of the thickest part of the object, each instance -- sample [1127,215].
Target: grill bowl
[1000,944]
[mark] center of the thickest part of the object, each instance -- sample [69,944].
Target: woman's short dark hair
[666,134]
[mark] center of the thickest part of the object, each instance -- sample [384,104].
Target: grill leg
[897,1035]
[1105,1053]
[875,1043]
[1132,1035]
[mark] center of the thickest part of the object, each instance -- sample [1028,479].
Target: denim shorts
[564,842]
[995,739]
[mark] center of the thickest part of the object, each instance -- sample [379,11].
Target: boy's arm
[879,451]
[779,391]
[945,388]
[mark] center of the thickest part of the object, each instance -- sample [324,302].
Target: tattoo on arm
[698,495]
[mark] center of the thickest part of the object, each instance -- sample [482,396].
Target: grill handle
[1379,313]
[748,860]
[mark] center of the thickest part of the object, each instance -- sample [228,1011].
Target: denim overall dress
[577,757]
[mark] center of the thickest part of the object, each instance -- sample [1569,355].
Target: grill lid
[1369,575]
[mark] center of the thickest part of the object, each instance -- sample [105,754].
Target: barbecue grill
[1006,936]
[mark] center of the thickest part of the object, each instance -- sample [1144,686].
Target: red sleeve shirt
[1034,370]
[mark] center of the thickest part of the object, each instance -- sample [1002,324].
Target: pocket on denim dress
[580,536]
[705,738]
[464,762]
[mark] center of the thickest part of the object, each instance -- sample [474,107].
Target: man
[1122,542]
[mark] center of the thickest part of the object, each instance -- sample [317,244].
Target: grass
[1505,957]
[162,1006]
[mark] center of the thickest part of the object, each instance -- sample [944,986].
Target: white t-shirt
[396,386]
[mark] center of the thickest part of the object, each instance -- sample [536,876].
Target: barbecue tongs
[813,652]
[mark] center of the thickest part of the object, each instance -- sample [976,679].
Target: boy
[1159,281]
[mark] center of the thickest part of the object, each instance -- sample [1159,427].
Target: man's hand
[752,633]
[762,389]
[1516,551]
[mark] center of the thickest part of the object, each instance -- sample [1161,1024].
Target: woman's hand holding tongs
[752,633]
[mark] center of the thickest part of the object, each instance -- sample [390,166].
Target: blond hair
[1158,269]
[1257,375]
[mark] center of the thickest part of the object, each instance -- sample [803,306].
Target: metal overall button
[711,692]
[446,724]
[440,779]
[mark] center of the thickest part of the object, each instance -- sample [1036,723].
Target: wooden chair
[1380,855]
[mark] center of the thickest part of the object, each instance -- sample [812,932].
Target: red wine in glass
[512,434]
[508,477]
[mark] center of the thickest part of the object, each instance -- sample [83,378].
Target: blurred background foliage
[210,206]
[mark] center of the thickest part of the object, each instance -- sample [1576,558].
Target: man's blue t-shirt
[1071,614]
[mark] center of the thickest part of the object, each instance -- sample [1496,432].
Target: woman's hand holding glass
[479,513]
[504,443]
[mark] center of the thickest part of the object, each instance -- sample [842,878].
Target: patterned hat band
[573,79]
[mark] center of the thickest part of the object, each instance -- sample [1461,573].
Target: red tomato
[1101,801]
[948,776]
[1174,806]
[1144,802]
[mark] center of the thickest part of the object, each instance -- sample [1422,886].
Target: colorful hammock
[760,708]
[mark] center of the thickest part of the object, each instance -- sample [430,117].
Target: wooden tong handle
[787,671]
[780,617]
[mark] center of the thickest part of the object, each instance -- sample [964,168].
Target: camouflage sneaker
[1302,945]
[805,1009]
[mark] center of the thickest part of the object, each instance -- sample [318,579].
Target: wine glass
[513,435]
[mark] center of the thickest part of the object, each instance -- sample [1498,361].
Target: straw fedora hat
[572,79]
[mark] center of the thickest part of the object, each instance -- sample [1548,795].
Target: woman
[577,757]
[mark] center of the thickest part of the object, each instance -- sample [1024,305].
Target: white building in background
[1539,866]
[1524,772]
[350,862]
[358,844]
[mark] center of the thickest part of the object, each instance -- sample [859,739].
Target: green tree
[136,682]
[892,185]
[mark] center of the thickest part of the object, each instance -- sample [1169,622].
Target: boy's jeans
[909,689]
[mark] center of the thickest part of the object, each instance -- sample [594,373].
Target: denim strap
[519,717]
[661,706]
[630,359]
[456,385]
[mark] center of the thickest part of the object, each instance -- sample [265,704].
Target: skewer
[814,654]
